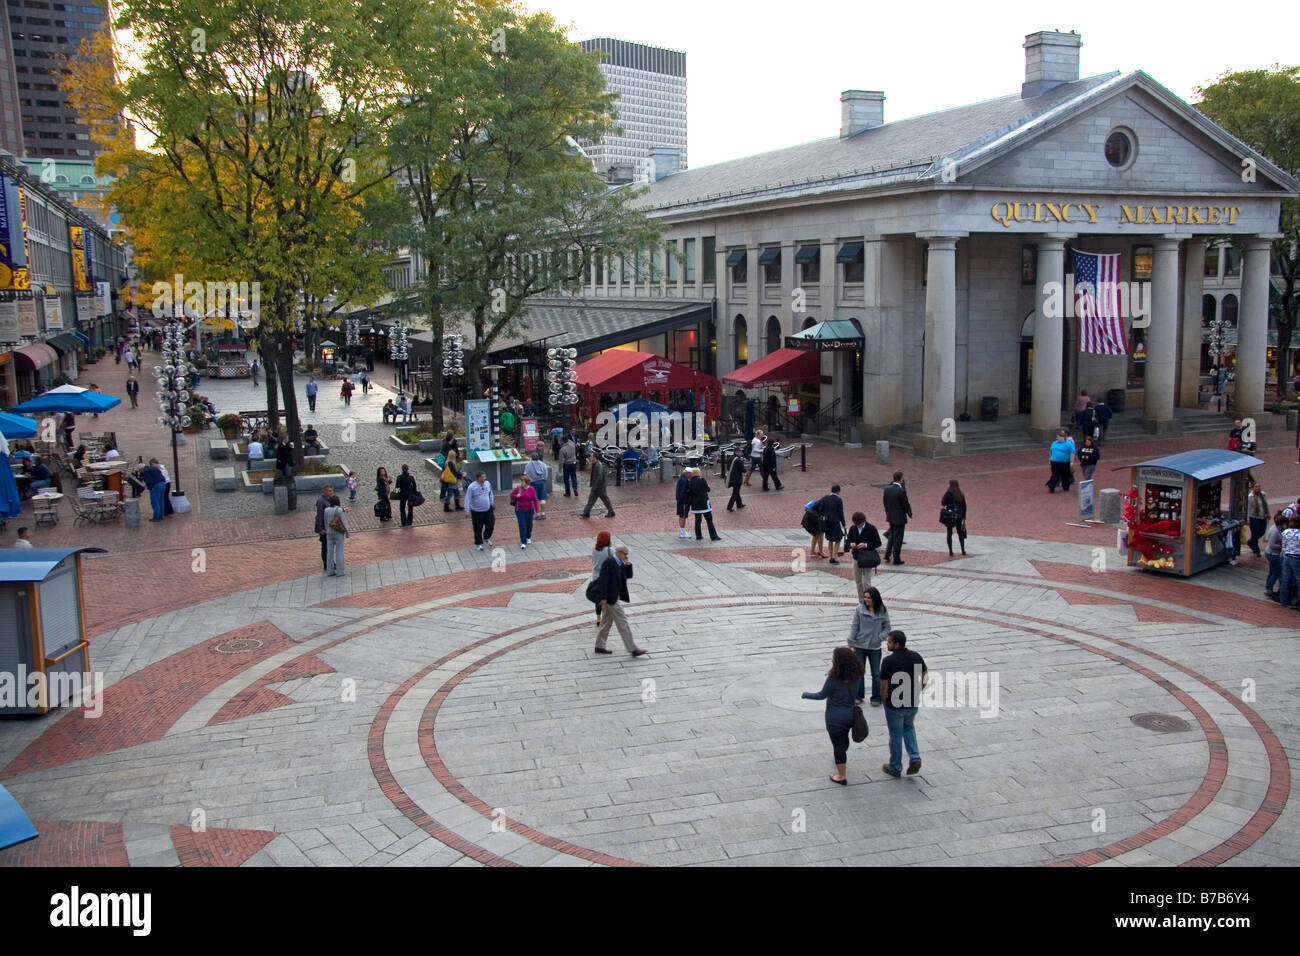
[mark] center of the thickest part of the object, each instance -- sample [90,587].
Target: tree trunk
[267,346]
[285,365]
[435,369]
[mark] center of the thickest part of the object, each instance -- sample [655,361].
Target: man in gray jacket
[569,464]
[599,475]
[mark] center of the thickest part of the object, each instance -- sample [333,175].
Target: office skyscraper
[651,87]
[35,118]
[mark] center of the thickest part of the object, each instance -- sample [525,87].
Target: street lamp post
[173,378]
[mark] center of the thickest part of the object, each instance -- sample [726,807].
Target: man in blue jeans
[153,479]
[902,675]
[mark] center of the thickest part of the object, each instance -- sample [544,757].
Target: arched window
[808,323]
[1230,311]
[773,334]
[741,332]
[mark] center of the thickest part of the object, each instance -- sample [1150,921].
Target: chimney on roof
[861,110]
[1051,58]
[666,159]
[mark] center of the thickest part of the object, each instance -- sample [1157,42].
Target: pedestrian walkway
[441,706]
[447,709]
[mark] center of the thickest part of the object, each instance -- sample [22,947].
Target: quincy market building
[946,238]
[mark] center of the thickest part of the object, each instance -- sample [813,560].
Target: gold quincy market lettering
[1079,212]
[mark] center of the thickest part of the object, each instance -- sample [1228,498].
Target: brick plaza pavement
[442,706]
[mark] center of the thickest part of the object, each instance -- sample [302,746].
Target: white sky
[765,75]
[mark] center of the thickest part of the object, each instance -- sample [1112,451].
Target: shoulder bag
[860,729]
[336,524]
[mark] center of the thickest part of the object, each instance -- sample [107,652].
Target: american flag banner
[1096,294]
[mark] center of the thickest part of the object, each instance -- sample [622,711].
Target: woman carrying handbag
[383,488]
[952,514]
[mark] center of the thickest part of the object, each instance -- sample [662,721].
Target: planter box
[305,483]
[401,444]
[255,480]
[431,444]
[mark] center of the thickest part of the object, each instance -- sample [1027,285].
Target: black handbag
[379,509]
[594,594]
[947,517]
[860,729]
[417,499]
[867,557]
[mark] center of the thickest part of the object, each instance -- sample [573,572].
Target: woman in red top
[524,499]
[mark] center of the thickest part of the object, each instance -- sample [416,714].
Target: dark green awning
[808,254]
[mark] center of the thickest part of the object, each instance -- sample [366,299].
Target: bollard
[1292,419]
[882,453]
[132,512]
[1110,505]
[281,500]
[665,470]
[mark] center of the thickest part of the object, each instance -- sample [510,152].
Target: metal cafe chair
[45,510]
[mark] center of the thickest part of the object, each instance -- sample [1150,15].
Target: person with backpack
[862,543]
[813,523]
[336,531]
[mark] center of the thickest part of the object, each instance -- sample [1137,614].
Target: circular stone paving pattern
[704,752]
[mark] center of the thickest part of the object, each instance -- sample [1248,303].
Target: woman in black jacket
[736,478]
[405,489]
[952,513]
[833,512]
[768,464]
[839,692]
[1089,454]
[383,485]
[697,493]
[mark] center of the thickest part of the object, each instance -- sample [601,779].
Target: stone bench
[314,483]
[218,449]
[224,479]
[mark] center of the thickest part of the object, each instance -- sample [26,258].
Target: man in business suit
[614,574]
[897,510]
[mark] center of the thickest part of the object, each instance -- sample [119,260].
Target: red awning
[622,370]
[37,355]
[782,367]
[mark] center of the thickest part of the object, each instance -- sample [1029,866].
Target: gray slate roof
[571,322]
[905,151]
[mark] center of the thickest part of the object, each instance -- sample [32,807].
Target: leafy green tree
[485,150]
[1262,109]
[265,119]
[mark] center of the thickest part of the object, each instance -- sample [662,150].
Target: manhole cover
[239,646]
[1161,723]
[554,575]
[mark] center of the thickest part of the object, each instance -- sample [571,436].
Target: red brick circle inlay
[1259,823]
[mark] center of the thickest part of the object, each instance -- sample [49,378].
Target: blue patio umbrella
[16,426]
[11,506]
[643,405]
[68,398]
[15,827]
